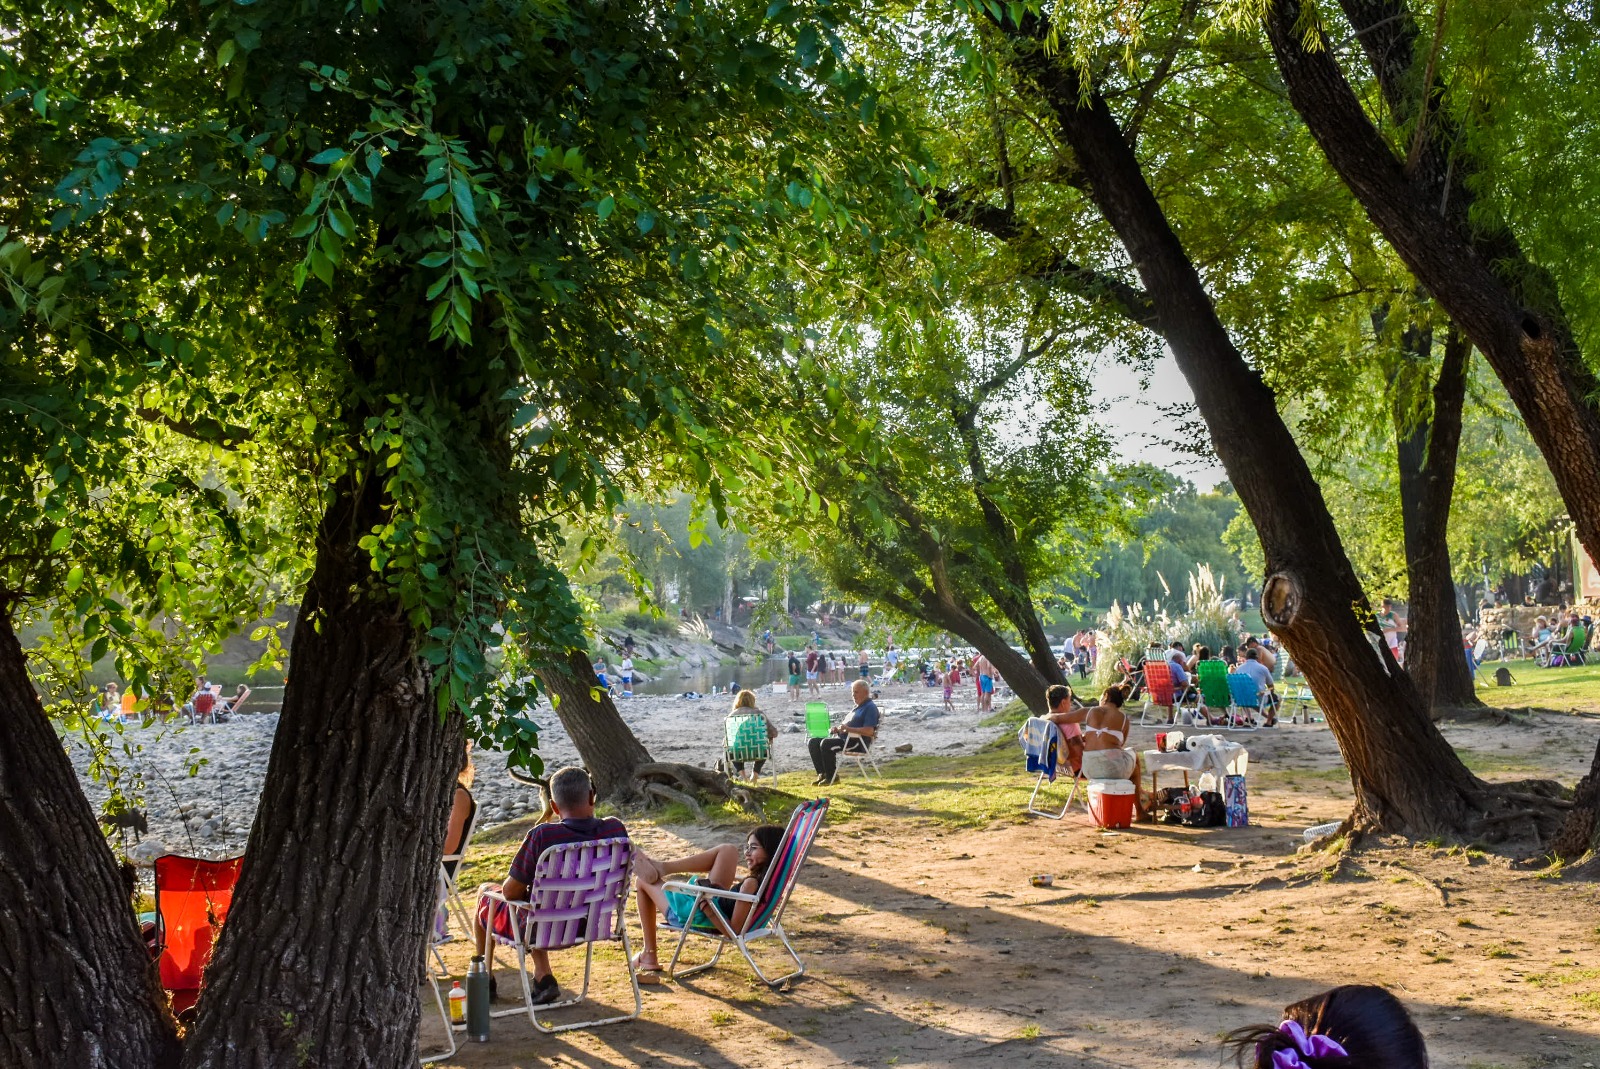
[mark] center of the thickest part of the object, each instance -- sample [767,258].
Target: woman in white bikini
[1105,731]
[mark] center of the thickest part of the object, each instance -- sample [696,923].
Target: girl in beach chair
[719,868]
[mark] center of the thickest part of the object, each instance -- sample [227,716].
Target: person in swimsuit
[1105,731]
[720,866]
[985,673]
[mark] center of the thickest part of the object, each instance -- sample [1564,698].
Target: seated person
[720,866]
[1264,653]
[1542,634]
[1251,666]
[572,794]
[857,732]
[1105,730]
[744,701]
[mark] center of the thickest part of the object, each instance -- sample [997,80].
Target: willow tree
[498,245]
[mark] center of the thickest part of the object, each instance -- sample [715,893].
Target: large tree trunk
[1580,834]
[76,985]
[1505,304]
[1406,776]
[321,960]
[610,750]
[1426,450]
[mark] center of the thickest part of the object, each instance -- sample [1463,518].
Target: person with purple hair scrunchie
[1311,1046]
[1356,1026]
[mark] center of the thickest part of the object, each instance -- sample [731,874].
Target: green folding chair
[818,724]
[746,741]
[1214,690]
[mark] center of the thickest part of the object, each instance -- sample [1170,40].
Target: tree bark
[1505,304]
[1426,449]
[608,747]
[1406,776]
[1581,833]
[76,985]
[321,960]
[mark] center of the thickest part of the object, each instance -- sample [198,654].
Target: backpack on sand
[1503,677]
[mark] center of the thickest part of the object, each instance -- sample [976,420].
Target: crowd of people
[207,704]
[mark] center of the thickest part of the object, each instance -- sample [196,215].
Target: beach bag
[1174,803]
[1211,812]
[1235,798]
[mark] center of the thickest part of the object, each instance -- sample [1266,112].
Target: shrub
[1129,633]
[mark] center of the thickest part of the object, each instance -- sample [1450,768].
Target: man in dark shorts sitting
[857,733]
[572,795]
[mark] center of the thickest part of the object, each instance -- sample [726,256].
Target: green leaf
[328,155]
[74,578]
[646,221]
[605,207]
[61,540]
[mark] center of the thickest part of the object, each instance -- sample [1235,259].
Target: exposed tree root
[667,794]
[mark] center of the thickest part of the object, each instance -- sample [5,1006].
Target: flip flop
[650,975]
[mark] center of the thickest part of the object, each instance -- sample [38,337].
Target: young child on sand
[1353,1025]
[720,867]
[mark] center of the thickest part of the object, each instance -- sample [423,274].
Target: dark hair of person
[1251,654]
[768,836]
[1055,694]
[1228,654]
[1368,1022]
[1203,653]
[1115,695]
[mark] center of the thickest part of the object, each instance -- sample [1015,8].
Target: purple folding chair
[766,905]
[578,897]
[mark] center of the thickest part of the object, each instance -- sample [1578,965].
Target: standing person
[891,664]
[813,661]
[1094,648]
[794,677]
[626,670]
[858,731]
[1390,624]
[952,676]
[866,668]
[985,673]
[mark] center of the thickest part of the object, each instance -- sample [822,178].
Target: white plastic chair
[578,897]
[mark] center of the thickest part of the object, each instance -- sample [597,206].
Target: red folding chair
[1158,689]
[192,900]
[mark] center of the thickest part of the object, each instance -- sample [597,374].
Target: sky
[1133,416]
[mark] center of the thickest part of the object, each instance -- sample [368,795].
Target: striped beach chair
[1214,692]
[578,897]
[1246,703]
[766,905]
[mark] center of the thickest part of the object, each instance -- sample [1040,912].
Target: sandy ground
[209,812]
[928,947]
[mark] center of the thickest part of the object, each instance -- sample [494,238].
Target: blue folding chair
[1246,703]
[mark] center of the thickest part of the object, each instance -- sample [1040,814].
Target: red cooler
[1111,802]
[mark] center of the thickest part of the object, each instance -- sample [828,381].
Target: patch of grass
[1029,1031]
[1587,981]
[1498,950]
[1561,689]
[723,1018]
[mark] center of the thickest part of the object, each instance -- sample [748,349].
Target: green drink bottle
[478,1000]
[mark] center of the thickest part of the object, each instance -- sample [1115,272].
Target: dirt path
[928,947]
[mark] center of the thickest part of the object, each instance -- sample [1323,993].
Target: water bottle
[458,1004]
[478,1000]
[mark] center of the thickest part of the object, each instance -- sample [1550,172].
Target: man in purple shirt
[572,795]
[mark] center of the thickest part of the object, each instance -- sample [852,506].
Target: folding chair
[438,1000]
[1302,698]
[1570,655]
[450,865]
[745,736]
[193,896]
[578,897]
[766,905]
[863,753]
[818,723]
[1214,692]
[1158,684]
[1246,701]
[1047,768]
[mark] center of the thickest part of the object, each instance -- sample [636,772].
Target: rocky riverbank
[200,785]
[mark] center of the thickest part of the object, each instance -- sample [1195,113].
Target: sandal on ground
[647,974]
